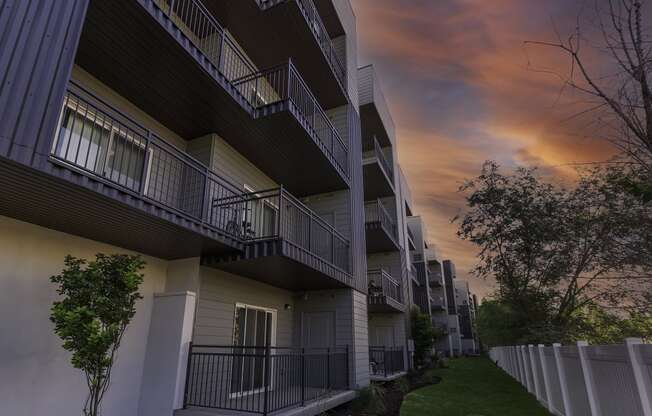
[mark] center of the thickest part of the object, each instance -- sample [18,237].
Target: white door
[254,329]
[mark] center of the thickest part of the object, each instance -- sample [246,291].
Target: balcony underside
[280,32]
[379,240]
[281,264]
[66,201]
[384,304]
[306,169]
[372,125]
[148,61]
[376,182]
[329,16]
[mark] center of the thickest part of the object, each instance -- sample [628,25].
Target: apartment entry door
[317,336]
[254,330]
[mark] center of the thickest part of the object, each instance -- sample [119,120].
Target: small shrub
[370,401]
[403,385]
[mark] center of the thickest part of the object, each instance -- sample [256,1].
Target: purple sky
[461,88]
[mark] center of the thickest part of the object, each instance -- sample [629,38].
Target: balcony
[435,279]
[386,363]
[385,293]
[421,298]
[283,103]
[285,28]
[378,174]
[264,380]
[110,179]
[174,61]
[285,243]
[437,304]
[381,230]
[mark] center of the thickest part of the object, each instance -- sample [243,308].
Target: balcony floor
[311,408]
[384,304]
[281,264]
[66,201]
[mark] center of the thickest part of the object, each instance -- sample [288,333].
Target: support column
[588,378]
[170,334]
[640,376]
[563,380]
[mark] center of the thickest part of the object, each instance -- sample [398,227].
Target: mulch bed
[393,397]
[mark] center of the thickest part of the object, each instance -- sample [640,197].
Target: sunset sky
[462,88]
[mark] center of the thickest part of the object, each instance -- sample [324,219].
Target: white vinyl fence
[584,380]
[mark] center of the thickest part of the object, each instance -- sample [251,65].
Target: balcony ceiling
[281,33]
[376,182]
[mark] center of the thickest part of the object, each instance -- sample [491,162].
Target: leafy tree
[99,301]
[423,334]
[555,251]
[602,327]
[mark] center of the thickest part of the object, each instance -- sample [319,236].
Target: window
[260,215]
[254,329]
[96,143]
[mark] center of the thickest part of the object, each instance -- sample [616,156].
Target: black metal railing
[386,361]
[316,25]
[195,21]
[420,298]
[375,212]
[417,257]
[274,214]
[382,160]
[382,284]
[283,83]
[98,140]
[263,380]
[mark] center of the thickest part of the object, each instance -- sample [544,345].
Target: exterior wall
[37,47]
[37,377]
[218,295]
[371,92]
[394,321]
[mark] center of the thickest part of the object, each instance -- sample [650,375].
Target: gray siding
[218,294]
[361,339]
[37,46]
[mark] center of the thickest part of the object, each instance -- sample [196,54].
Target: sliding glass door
[254,330]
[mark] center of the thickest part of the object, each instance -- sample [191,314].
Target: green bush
[370,400]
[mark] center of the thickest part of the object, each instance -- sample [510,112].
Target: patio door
[254,330]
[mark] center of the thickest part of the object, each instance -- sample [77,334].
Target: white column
[563,380]
[642,381]
[546,377]
[535,372]
[166,359]
[588,378]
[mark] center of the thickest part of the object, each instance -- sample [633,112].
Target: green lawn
[472,387]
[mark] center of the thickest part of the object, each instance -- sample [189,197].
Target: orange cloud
[461,87]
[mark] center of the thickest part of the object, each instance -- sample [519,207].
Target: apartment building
[466,307]
[385,196]
[452,316]
[222,141]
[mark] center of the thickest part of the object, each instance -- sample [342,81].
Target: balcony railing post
[171,8]
[220,58]
[328,368]
[303,376]
[385,365]
[143,172]
[185,391]
[348,380]
[268,369]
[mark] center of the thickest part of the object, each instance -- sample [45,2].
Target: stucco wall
[37,376]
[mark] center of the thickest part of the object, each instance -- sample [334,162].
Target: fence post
[527,366]
[521,365]
[535,372]
[546,377]
[268,368]
[563,382]
[303,376]
[642,383]
[328,368]
[587,372]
